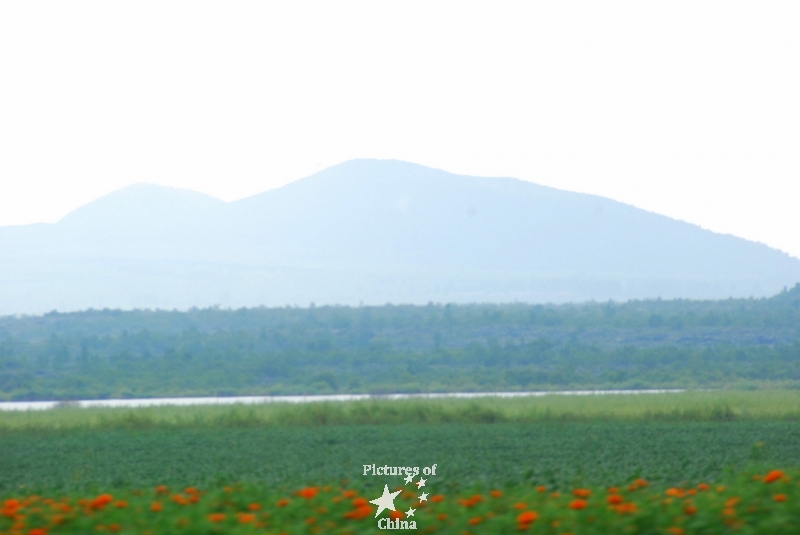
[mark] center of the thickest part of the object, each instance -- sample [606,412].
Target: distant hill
[372,231]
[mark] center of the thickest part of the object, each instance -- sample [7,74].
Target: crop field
[555,454]
[541,465]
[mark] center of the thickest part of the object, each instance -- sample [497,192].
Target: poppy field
[767,503]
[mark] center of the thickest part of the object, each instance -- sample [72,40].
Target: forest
[97,354]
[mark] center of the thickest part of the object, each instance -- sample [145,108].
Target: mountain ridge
[373,231]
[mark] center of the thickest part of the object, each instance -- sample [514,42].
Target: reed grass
[721,405]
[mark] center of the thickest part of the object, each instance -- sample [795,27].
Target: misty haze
[372,232]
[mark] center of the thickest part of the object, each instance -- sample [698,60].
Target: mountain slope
[372,231]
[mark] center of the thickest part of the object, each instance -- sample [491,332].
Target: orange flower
[554,494]
[625,508]
[730,502]
[582,493]
[282,503]
[121,504]
[703,487]
[101,501]
[475,520]
[395,515]
[495,493]
[640,482]
[675,530]
[677,493]
[614,499]
[156,507]
[520,506]
[308,492]
[161,489]
[216,517]
[527,517]
[190,490]
[577,505]
[246,518]
[179,499]
[37,531]
[360,502]
[349,493]
[114,527]
[779,497]
[721,488]
[612,490]
[471,501]
[253,507]
[436,498]
[689,509]
[441,517]
[541,488]
[310,520]
[773,475]
[359,512]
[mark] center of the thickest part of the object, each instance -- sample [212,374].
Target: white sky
[688,109]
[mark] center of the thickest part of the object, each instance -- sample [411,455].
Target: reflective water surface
[150,402]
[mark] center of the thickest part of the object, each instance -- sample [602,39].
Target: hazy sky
[688,109]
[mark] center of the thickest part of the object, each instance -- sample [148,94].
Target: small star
[386,501]
[423,497]
[409,478]
[420,483]
[410,511]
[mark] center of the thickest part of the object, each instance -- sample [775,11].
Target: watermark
[385,502]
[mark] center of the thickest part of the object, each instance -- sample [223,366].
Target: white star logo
[410,511]
[409,479]
[420,483]
[423,497]
[386,501]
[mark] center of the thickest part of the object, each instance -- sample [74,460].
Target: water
[249,400]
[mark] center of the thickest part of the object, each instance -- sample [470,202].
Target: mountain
[372,231]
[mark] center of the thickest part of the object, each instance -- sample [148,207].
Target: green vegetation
[555,454]
[745,343]
[559,440]
[242,455]
[691,406]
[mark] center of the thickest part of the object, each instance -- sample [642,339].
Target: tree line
[390,348]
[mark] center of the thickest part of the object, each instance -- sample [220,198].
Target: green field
[468,454]
[72,470]
[554,440]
